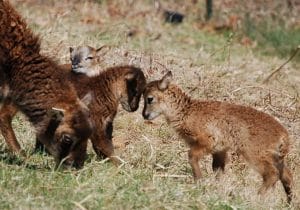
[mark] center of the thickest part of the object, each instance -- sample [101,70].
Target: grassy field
[155,173]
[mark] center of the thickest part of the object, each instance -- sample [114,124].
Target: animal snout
[134,105]
[75,66]
[90,128]
[146,115]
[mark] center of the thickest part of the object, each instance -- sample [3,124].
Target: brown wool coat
[36,86]
[214,128]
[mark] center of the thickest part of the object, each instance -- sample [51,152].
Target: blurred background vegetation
[271,26]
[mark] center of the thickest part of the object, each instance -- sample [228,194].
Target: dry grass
[155,173]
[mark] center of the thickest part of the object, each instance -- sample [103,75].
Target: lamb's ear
[100,48]
[87,99]
[100,52]
[71,49]
[130,76]
[56,114]
[165,81]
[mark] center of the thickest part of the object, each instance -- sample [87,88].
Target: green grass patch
[273,38]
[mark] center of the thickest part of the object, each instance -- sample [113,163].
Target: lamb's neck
[116,89]
[176,104]
[109,93]
[95,71]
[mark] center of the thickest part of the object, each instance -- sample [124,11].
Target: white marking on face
[92,72]
[151,109]
[84,61]
[153,115]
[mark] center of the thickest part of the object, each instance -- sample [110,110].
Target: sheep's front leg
[7,112]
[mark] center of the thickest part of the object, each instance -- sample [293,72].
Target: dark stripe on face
[76,59]
[132,94]
[109,130]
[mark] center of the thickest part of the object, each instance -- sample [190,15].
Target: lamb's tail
[284,146]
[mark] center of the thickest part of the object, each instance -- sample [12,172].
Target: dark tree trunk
[209,9]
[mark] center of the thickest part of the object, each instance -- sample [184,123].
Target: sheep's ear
[165,81]
[56,114]
[71,49]
[87,99]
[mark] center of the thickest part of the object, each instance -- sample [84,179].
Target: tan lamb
[214,128]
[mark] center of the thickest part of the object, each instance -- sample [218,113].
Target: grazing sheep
[38,89]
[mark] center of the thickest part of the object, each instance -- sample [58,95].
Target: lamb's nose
[146,116]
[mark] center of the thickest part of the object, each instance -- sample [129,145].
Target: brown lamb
[37,88]
[214,128]
[110,87]
[116,85]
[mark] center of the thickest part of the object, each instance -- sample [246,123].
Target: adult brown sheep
[37,88]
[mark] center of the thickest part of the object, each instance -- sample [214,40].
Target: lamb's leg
[268,171]
[102,143]
[195,154]
[287,180]
[285,177]
[219,160]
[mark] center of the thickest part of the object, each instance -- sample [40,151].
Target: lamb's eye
[89,58]
[149,100]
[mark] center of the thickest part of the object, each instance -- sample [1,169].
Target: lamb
[214,128]
[33,84]
[113,86]
[120,84]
